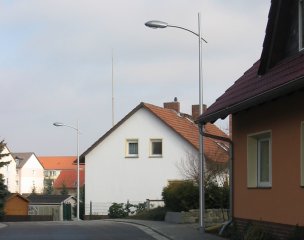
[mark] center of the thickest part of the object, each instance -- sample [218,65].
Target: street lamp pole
[160,24]
[58,124]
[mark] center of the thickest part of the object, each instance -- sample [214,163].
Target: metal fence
[102,208]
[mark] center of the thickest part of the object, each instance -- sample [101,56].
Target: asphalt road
[89,230]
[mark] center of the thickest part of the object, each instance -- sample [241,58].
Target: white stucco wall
[111,177]
[9,171]
[31,174]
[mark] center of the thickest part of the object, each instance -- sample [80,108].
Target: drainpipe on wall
[225,139]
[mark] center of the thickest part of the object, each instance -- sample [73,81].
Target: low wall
[26,218]
[212,216]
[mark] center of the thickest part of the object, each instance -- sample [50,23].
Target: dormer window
[301,25]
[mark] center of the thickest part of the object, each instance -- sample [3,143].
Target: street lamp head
[58,124]
[156,24]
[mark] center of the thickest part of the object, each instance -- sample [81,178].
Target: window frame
[156,140]
[263,183]
[127,151]
[253,159]
[301,25]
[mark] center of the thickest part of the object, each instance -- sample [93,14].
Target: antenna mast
[112,90]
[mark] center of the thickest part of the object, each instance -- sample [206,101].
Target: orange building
[16,204]
[268,127]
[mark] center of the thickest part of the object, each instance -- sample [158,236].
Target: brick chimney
[196,110]
[173,105]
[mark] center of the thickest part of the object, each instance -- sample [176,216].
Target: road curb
[140,224]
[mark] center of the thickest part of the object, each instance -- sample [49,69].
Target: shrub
[181,196]
[121,210]
[217,197]
[117,210]
[252,232]
[155,214]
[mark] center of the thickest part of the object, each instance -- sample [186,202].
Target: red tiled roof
[184,126]
[69,178]
[58,162]
[187,129]
[181,124]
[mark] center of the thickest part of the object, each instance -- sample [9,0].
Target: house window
[302,154]
[156,147]
[301,24]
[259,160]
[132,148]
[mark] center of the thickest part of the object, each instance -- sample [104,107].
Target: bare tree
[215,170]
[189,167]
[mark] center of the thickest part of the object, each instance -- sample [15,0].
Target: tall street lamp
[159,24]
[58,124]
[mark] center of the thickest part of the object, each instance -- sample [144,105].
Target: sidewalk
[2,225]
[171,230]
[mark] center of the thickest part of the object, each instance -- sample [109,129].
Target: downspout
[228,140]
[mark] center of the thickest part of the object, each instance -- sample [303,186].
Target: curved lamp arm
[159,24]
[58,124]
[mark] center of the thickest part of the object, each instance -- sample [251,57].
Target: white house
[136,158]
[9,171]
[29,173]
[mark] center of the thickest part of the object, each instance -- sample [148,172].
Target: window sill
[156,156]
[269,187]
[132,156]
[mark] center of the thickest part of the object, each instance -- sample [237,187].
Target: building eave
[287,88]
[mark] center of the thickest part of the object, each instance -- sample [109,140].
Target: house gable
[181,124]
[279,71]
[33,162]
[282,34]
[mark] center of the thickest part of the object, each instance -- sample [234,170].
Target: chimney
[196,111]
[173,105]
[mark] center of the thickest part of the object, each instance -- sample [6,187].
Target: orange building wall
[284,202]
[16,206]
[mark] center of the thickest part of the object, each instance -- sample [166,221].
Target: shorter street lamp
[58,124]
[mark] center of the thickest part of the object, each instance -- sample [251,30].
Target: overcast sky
[56,62]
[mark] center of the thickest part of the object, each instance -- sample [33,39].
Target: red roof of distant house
[69,178]
[184,126]
[58,162]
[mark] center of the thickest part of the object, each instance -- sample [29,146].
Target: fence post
[91,207]
[148,204]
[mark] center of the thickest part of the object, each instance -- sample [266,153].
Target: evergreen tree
[3,188]
[3,194]
[2,155]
